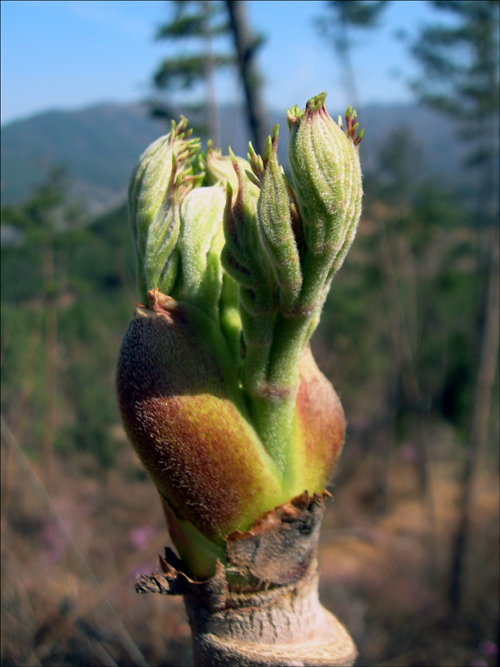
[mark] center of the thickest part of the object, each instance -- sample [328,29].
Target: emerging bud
[275,222]
[217,386]
[162,177]
[327,178]
[183,413]
[200,243]
[220,170]
[244,261]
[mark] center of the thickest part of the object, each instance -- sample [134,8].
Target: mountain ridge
[101,144]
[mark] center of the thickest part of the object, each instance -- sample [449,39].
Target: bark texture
[245,48]
[262,608]
[284,626]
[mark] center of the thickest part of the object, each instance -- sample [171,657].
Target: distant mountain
[101,144]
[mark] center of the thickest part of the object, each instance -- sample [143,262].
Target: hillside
[100,145]
[398,338]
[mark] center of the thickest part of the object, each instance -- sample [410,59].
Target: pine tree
[247,44]
[201,21]
[205,21]
[334,26]
[461,78]
[460,65]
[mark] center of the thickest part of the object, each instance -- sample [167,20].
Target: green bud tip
[274,139]
[252,155]
[251,177]
[293,116]
[360,136]
[276,131]
[316,102]
[181,127]
[267,152]
[351,125]
[256,163]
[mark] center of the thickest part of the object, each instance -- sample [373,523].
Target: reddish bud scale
[321,426]
[181,416]
[197,447]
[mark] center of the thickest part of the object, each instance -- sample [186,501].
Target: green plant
[218,390]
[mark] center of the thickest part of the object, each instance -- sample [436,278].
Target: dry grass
[69,562]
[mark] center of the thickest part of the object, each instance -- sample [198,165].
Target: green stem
[272,418]
[273,354]
[289,340]
[316,269]
[272,402]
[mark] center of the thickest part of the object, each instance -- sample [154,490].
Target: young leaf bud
[162,177]
[217,387]
[242,255]
[200,243]
[220,170]
[327,179]
[244,260]
[275,223]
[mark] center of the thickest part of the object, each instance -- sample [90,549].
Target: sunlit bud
[242,256]
[183,413]
[275,223]
[220,170]
[218,390]
[244,259]
[324,162]
[161,179]
[199,244]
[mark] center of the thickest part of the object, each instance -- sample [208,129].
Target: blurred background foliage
[409,338]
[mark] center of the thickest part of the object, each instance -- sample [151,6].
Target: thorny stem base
[285,626]
[275,617]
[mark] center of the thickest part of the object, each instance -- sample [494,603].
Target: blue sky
[72,54]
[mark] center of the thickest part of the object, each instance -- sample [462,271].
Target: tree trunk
[211,94]
[343,48]
[487,367]
[274,617]
[245,50]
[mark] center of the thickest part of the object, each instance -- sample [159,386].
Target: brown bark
[248,72]
[272,616]
[287,627]
[211,95]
